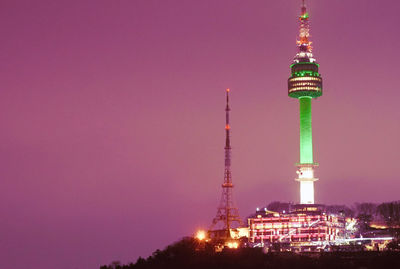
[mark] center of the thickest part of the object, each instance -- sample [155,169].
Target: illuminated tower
[227,214]
[305,83]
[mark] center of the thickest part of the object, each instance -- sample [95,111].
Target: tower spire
[303,43]
[227,213]
[227,129]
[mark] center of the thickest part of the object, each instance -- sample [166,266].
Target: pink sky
[112,118]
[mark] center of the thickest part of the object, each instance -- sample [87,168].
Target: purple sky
[112,118]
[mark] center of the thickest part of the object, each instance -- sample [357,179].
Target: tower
[305,83]
[227,213]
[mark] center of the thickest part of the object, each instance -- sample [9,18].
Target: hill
[189,253]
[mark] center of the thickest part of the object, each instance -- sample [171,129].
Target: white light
[306,174]
[306,192]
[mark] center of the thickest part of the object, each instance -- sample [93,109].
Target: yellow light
[233,245]
[201,235]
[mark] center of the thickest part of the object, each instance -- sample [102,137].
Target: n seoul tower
[305,83]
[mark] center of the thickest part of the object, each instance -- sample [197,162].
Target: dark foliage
[390,212]
[278,206]
[340,209]
[189,253]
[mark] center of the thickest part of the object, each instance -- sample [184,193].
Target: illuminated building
[303,228]
[305,83]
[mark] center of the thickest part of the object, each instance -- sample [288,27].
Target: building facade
[306,227]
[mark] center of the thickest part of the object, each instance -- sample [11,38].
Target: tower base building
[304,228]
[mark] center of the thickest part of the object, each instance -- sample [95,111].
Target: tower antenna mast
[227,214]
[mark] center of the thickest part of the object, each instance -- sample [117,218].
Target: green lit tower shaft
[305,83]
[306,147]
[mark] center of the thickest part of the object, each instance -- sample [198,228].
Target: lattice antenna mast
[304,43]
[227,213]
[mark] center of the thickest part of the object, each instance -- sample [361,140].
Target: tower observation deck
[305,83]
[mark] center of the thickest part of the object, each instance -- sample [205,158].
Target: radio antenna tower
[227,213]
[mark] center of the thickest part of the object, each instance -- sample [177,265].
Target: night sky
[112,118]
